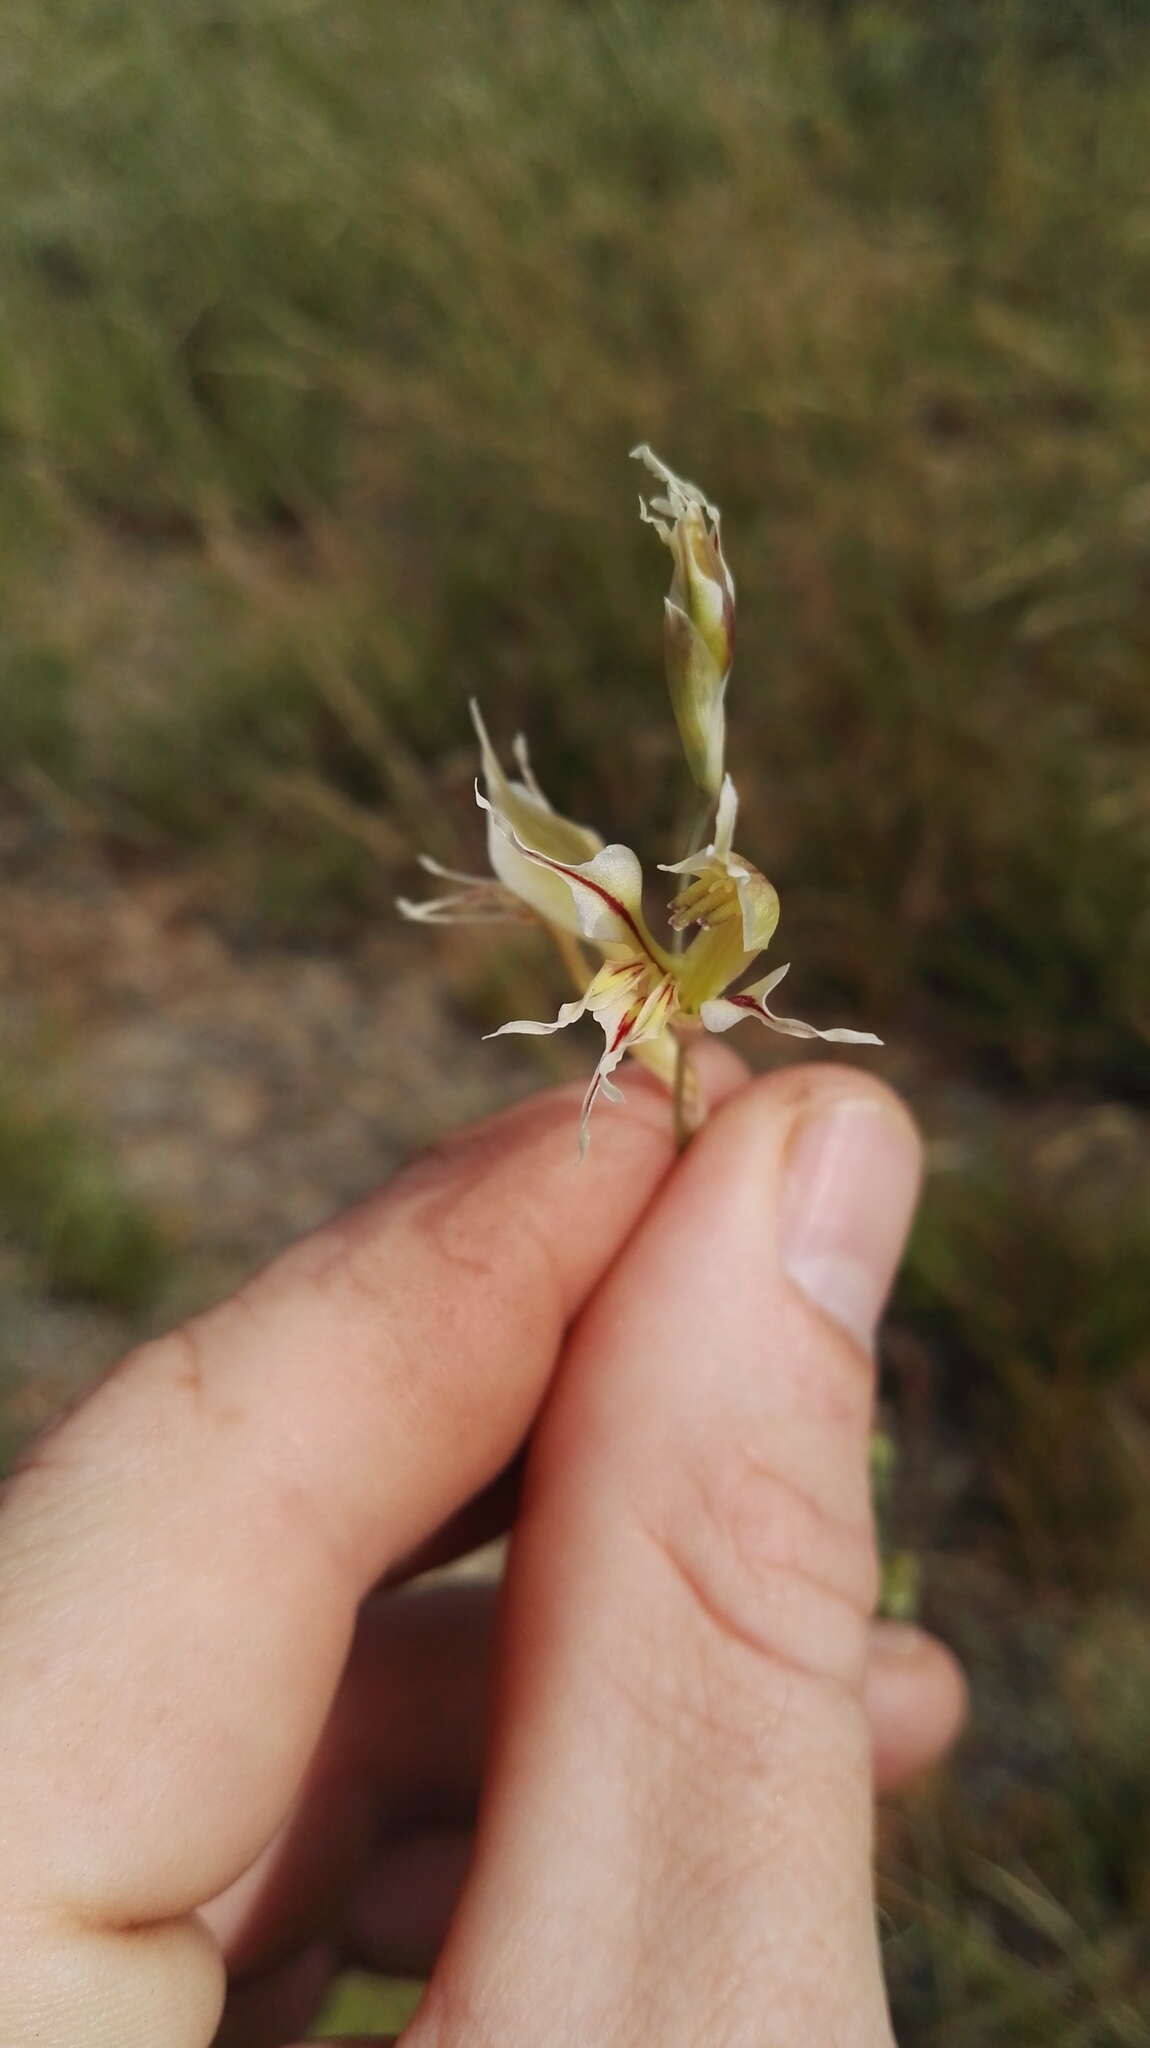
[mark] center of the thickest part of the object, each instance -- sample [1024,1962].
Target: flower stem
[679,1096]
[572,955]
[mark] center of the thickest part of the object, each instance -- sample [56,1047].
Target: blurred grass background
[326,329]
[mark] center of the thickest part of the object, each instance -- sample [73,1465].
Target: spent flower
[698,617]
[649,999]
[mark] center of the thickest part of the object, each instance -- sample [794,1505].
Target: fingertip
[720,1071]
[779,1100]
[727,1266]
[550,1116]
[755,1117]
[830,1161]
[916,1696]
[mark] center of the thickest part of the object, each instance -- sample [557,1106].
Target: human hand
[218,1749]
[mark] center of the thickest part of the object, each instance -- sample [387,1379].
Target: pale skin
[237,1751]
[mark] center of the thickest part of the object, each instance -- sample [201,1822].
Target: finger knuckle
[769,1567]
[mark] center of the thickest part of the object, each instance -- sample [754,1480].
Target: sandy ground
[246,1092]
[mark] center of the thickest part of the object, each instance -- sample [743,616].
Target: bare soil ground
[245,1091]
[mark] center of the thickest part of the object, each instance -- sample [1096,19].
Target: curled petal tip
[725,1011]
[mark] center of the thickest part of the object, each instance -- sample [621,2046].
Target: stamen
[712,899]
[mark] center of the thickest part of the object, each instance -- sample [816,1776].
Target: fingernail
[850,1184]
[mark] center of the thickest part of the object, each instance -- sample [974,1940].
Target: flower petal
[604,895]
[527,774]
[699,631]
[727,885]
[526,808]
[758,902]
[463,908]
[630,1003]
[626,1027]
[726,818]
[702,584]
[725,1011]
[718,852]
[658,1055]
[476,899]
[680,493]
[528,1027]
[696,684]
[530,826]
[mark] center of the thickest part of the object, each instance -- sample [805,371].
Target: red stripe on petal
[581,882]
[573,876]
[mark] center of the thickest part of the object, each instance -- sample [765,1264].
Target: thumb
[676,1845]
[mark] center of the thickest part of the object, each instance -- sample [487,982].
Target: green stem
[699,823]
[572,955]
[683,1132]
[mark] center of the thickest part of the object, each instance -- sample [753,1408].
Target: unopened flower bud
[699,633]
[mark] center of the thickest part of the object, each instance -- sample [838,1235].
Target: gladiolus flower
[642,993]
[648,999]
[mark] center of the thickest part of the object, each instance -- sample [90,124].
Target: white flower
[642,994]
[632,1002]
[647,998]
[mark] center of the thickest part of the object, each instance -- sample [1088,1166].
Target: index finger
[181,1560]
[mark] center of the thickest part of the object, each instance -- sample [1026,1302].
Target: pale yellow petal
[725,1011]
